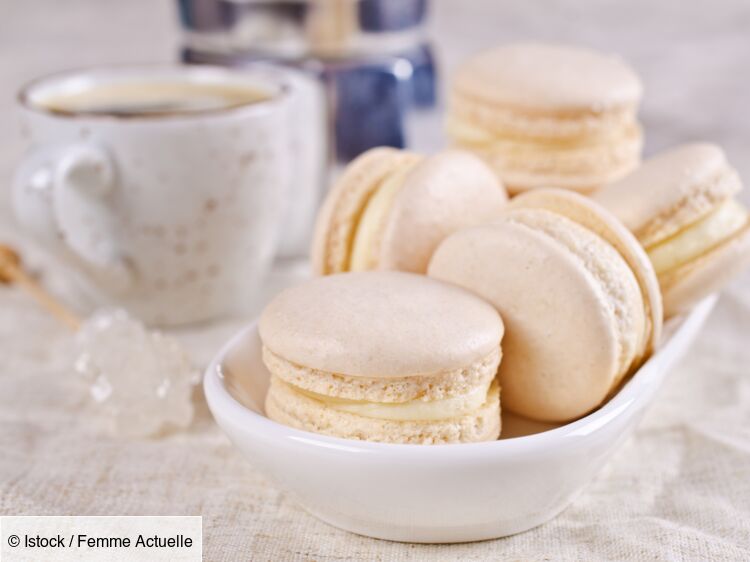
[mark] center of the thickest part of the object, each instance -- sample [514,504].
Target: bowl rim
[626,401]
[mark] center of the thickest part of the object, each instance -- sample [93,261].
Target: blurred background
[693,56]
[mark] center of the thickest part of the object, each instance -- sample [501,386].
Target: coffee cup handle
[63,196]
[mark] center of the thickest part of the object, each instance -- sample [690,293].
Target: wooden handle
[11,271]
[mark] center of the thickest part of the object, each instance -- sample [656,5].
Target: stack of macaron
[548,115]
[384,356]
[440,300]
[391,208]
[578,296]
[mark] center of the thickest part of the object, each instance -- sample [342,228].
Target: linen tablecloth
[678,490]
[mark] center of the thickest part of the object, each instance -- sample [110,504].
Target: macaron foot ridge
[435,386]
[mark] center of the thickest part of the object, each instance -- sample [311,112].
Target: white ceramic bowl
[436,494]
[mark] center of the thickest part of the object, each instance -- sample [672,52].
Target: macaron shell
[446,384]
[549,76]
[609,273]
[671,190]
[684,287]
[338,216]
[444,193]
[511,121]
[291,408]
[594,217]
[380,324]
[560,353]
[584,169]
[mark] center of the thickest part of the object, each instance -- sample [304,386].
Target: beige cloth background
[678,490]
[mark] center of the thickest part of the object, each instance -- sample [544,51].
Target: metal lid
[294,29]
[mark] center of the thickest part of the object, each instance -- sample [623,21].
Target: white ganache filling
[698,238]
[414,410]
[363,254]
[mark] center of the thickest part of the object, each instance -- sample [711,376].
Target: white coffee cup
[171,212]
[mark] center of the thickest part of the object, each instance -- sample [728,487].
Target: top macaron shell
[671,190]
[664,199]
[448,191]
[380,324]
[573,78]
[597,219]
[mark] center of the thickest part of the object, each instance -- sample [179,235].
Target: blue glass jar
[371,56]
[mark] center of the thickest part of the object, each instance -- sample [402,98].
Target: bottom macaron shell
[685,286]
[286,406]
[524,166]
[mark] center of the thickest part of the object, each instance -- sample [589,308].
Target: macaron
[383,356]
[579,299]
[391,208]
[548,115]
[681,206]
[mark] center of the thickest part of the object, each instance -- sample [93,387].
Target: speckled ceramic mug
[172,214]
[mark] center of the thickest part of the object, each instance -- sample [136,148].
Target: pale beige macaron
[578,296]
[383,356]
[391,208]
[548,115]
[681,206]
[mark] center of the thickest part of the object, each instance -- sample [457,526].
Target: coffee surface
[143,99]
